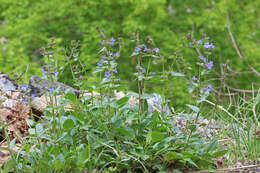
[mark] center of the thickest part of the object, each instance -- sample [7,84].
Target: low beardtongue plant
[105,134]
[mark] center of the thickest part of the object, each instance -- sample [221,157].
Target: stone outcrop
[39,85]
[6,84]
[13,112]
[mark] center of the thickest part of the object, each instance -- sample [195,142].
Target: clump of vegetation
[101,133]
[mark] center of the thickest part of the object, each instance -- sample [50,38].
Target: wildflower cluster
[205,62]
[144,49]
[208,45]
[50,70]
[193,81]
[208,88]
[107,62]
[25,88]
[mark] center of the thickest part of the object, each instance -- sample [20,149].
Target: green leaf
[126,131]
[134,94]
[83,156]
[145,105]
[191,162]
[12,143]
[157,136]
[149,137]
[192,127]
[31,131]
[68,124]
[194,108]
[97,70]
[219,153]
[146,96]
[39,129]
[212,146]
[9,165]
[177,74]
[121,102]
[72,97]
[58,164]
[172,156]
[30,122]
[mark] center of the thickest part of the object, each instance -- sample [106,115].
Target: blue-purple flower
[208,88]
[100,63]
[112,41]
[24,87]
[190,44]
[117,54]
[212,45]
[107,74]
[191,83]
[143,69]
[32,96]
[194,78]
[102,42]
[51,88]
[144,47]
[56,73]
[156,50]
[209,45]
[209,65]
[206,45]
[118,79]
[24,101]
[137,49]
[115,70]
[200,41]
[203,58]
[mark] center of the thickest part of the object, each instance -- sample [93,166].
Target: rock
[2,98]
[12,111]
[39,85]
[155,103]
[5,154]
[6,84]
[39,104]
[119,95]
[92,94]
[10,104]
[15,113]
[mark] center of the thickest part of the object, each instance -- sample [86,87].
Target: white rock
[9,103]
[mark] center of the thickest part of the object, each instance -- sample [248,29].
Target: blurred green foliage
[28,24]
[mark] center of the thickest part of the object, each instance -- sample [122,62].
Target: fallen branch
[239,53]
[230,169]
[242,90]
[223,109]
